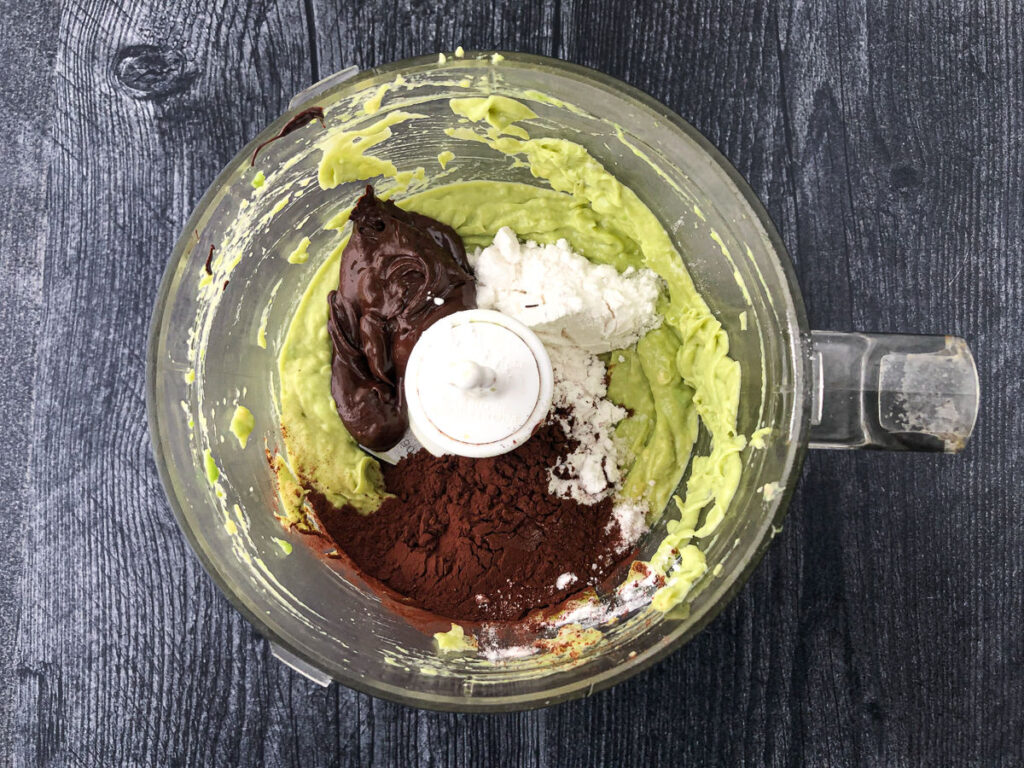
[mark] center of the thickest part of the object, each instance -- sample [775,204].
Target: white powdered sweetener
[579,310]
[564,298]
[591,472]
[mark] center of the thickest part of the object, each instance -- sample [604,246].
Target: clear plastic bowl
[317,620]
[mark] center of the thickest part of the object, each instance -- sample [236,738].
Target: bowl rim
[799,350]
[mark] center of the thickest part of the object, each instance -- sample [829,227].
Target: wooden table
[884,626]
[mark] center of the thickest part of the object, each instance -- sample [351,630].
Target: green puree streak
[675,377]
[212,472]
[242,423]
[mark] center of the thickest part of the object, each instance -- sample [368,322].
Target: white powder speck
[565,580]
[506,653]
[629,597]
[631,515]
[438,300]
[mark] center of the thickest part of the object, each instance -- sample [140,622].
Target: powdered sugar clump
[566,299]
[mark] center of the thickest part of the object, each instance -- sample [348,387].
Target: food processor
[209,349]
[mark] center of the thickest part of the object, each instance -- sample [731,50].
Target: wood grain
[28,86]
[884,626]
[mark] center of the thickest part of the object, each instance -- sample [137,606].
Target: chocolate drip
[302,118]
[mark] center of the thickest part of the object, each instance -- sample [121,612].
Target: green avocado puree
[242,423]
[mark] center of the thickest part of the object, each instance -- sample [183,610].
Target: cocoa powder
[479,539]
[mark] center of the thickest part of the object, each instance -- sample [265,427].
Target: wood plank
[28,89]
[367,34]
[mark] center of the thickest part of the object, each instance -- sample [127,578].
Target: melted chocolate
[300,119]
[394,266]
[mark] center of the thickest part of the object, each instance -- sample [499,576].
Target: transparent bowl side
[300,602]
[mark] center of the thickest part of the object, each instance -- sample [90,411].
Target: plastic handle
[893,392]
[306,670]
[314,91]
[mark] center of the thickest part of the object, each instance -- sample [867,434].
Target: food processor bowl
[830,390]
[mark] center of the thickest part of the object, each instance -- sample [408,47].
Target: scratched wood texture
[884,626]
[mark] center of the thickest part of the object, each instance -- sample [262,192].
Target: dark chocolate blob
[400,273]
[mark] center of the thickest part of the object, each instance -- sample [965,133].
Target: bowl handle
[893,392]
[306,670]
[314,91]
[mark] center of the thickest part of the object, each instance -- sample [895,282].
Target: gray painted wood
[28,56]
[884,626]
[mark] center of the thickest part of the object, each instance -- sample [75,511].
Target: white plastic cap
[477,384]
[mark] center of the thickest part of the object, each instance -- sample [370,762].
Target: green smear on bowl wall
[285,546]
[242,423]
[212,473]
[301,253]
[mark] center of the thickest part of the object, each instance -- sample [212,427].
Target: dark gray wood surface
[884,626]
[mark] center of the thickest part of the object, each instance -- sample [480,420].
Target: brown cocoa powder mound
[479,539]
